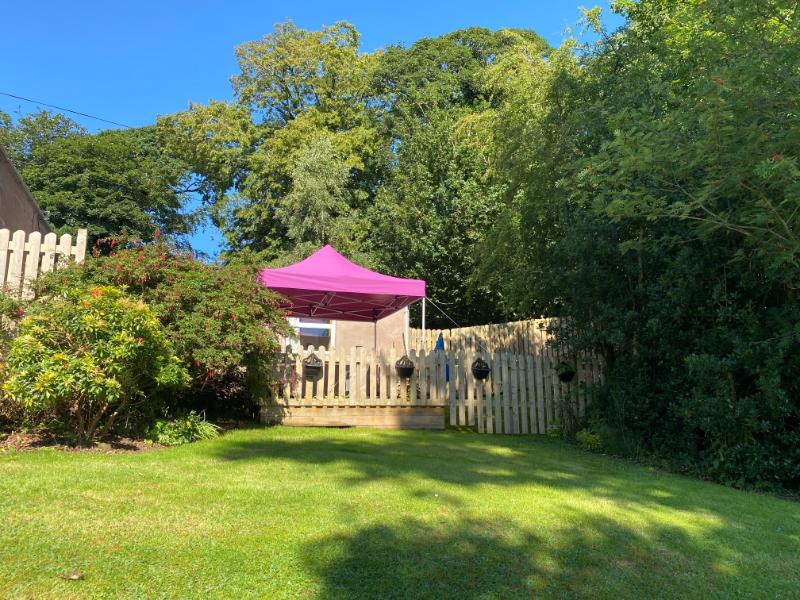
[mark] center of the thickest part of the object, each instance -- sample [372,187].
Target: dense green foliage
[112,183]
[89,357]
[183,429]
[653,197]
[219,318]
[360,514]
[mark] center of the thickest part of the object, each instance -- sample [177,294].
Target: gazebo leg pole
[375,336]
[405,334]
[424,339]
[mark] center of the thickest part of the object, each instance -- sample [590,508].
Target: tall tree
[399,128]
[294,87]
[317,211]
[434,210]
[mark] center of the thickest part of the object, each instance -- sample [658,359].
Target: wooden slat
[352,379]
[318,384]
[33,252]
[469,401]
[541,400]
[556,390]
[513,375]
[488,397]
[297,379]
[532,403]
[412,387]
[497,383]
[64,250]
[5,238]
[479,406]
[362,375]
[281,379]
[452,390]
[330,376]
[422,377]
[48,252]
[380,378]
[462,389]
[547,372]
[433,369]
[369,376]
[522,372]
[308,384]
[335,378]
[508,426]
[392,377]
[17,261]
[79,251]
[376,378]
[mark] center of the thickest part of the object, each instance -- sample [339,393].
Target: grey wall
[18,209]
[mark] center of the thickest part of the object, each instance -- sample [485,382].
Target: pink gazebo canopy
[328,286]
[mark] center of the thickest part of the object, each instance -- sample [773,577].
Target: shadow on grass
[619,531]
[466,459]
[483,559]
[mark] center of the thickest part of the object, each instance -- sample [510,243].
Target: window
[312,332]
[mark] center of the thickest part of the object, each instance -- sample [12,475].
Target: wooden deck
[382,417]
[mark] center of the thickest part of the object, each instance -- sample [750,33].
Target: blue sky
[131,61]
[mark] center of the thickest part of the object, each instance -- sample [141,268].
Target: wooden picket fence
[23,257]
[521,337]
[357,386]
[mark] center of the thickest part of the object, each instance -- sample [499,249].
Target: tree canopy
[116,182]
[374,152]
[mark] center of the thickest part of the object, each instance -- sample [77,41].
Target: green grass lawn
[321,513]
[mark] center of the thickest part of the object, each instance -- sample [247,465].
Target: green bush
[11,311]
[90,356]
[589,440]
[185,429]
[219,318]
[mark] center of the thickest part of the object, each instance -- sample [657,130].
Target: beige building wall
[18,209]
[389,332]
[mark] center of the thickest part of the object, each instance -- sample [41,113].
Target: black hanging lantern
[404,367]
[312,366]
[480,369]
[565,371]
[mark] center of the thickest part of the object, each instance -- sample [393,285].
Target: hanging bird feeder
[404,367]
[566,372]
[312,366]
[480,369]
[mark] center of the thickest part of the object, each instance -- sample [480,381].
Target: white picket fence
[522,395]
[24,256]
